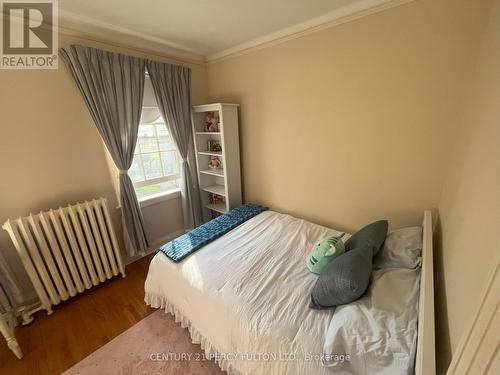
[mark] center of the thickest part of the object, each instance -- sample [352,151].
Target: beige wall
[163,220]
[50,151]
[340,127]
[470,203]
[354,122]
[358,122]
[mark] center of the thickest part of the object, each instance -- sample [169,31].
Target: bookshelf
[216,142]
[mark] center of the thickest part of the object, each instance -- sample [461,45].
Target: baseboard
[154,247]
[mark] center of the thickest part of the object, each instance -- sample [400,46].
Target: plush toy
[324,252]
[216,199]
[211,123]
[214,163]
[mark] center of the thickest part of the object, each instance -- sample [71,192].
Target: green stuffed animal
[324,252]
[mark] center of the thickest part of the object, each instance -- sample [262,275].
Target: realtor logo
[29,34]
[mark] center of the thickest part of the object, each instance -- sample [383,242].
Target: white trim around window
[163,196]
[158,180]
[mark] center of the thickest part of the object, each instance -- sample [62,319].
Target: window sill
[160,197]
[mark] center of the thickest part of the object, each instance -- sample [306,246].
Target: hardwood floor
[79,326]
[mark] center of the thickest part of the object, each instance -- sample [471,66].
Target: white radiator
[67,250]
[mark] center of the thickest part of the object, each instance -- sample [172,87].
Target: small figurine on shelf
[211,123]
[214,163]
[214,146]
[216,199]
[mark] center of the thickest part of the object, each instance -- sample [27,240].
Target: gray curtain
[112,86]
[172,88]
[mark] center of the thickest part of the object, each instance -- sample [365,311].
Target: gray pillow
[344,279]
[373,235]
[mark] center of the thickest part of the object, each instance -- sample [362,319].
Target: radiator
[67,250]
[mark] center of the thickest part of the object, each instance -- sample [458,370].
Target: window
[155,168]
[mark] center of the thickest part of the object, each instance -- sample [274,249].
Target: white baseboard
[154,247]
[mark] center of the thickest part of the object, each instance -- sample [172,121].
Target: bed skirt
[160,302]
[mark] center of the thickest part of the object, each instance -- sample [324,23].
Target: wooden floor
[79,326]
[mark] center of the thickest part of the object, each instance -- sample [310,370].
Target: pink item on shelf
[211,123]
[214,163]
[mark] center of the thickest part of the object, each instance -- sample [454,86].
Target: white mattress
[246,297]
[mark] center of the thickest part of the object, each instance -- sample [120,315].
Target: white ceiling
[202,29]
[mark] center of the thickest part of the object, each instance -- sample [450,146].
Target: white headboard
[426,347]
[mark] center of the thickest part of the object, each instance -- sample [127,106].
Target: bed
[245,299]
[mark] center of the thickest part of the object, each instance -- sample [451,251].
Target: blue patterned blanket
[194,240]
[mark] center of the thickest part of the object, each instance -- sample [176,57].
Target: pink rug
[155,345]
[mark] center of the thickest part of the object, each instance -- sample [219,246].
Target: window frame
[163,178]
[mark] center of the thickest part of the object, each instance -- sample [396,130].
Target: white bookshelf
[226,181]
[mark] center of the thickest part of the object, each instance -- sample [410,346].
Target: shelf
[214,172]
[215,185]
[219,207]
[211,153]
[216,189]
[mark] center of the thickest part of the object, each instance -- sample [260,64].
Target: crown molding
[125,45]
[72,23]
[105,31]
[339,16]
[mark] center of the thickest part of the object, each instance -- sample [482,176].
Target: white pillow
[402,249]
[376,334]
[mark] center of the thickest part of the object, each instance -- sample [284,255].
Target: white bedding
[246,297]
